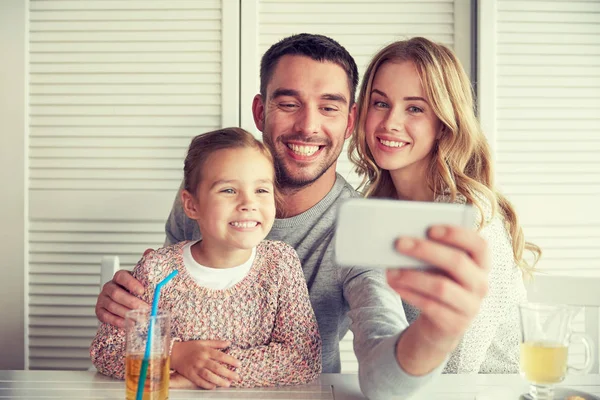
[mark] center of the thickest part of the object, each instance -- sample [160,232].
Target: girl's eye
[414,109]
[228,191]
[262,191]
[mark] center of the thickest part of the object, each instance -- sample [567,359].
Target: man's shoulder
[347,191]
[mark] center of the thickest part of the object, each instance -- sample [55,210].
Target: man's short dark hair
[317,47]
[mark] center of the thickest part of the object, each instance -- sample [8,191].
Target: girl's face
[235,200]
[401,127]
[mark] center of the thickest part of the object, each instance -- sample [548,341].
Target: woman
[417,138]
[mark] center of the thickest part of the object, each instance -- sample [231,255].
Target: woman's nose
[394,121]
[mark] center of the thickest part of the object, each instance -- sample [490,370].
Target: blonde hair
[461,158]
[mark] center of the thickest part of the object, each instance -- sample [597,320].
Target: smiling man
[306,111]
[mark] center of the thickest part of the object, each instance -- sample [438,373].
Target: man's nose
[308,121]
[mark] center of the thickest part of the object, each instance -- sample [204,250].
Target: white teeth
[390,143]
[303,150]
[244,224]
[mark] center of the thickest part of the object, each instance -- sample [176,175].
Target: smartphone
[367,229]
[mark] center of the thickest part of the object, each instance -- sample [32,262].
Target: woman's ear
[190,205]
[441,132]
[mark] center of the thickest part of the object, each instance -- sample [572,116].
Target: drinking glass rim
[140,313]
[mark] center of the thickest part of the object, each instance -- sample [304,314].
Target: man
[306,111]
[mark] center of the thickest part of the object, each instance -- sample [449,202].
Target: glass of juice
[545,339]
[156,385]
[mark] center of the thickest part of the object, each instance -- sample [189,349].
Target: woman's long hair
[461,158]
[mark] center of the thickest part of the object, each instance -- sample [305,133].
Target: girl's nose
[248,203]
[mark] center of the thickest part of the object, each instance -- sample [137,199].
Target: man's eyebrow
[335,97]
[294,93]
[284,92]
[410,98]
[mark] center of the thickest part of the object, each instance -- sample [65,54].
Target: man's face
[305,118]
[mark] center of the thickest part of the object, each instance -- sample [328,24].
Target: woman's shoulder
[484,203]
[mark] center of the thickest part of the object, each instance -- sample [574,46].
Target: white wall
[13,178]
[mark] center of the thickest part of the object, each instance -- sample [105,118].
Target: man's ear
[351,121]
[258,112]
[190,205]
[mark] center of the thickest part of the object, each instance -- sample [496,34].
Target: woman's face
[401,127]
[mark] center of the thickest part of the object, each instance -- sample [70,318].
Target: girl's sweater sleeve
[294,354]
[108,347]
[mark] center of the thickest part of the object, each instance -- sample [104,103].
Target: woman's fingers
[454,262]
[433,287]
[463,239]
[445,319]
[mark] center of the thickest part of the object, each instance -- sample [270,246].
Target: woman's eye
[380,104]
[228,191]
[414,109]
[263,191]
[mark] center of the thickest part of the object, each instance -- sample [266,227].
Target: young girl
[240,311]
[417,138]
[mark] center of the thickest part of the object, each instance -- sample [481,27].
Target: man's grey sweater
[342,298]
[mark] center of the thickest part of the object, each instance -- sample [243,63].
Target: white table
[90,385]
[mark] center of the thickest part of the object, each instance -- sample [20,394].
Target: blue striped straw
[146,360]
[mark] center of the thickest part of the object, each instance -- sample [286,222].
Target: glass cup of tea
[157,376]
[545,339]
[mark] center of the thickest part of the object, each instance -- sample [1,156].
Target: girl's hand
[203,363]
[178,381]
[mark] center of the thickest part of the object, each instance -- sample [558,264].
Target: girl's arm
[108,347]
[294,354]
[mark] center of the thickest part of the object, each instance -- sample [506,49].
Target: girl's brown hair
[203,145]
[461,159]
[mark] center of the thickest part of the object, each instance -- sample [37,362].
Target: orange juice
[157,377]
[544,362]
